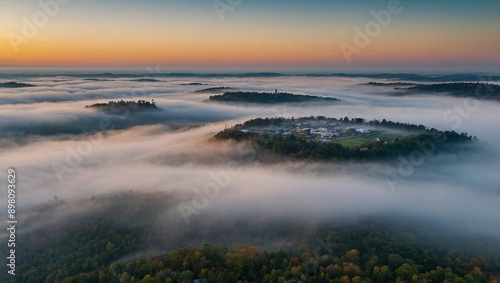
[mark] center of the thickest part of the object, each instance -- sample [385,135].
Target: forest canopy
[15,85]
[267,98]
[132,105]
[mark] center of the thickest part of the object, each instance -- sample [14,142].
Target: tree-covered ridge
[458,89]
[476,90]
[213,89]
[87,240]
[132,105]
[357,256]
[267,98]
[300,148]
[194,83]
[146,80]
[396,84]
[420,78]
[85,249]
[15,85]
[92,243]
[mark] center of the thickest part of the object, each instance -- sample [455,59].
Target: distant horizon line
[152,73]
[401,76]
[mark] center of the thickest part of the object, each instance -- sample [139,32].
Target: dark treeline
[103,243]
[86,241]
[146,80]
[15,85]
[476,90]
[214,89]
[194,84]
[263,122]
[267,98]
[298,148]
[122,104]
[350,256]
[397,84]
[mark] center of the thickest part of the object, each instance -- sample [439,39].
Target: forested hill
[396,84]
[475,90]
[15,85]
[291,145]
[114,106]
[106,238]
[458,89]
[374,260]
[213,89]
[267,98]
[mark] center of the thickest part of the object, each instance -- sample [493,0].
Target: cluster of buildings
[315,130]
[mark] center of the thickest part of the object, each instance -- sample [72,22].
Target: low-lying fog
[57,149]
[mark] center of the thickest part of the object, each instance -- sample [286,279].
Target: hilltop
[267,98]
[213,89]
[457,89]
[15,85]
[146,80]
[477,90]
[112,247]
[119,106]
[331,139]
[396,84]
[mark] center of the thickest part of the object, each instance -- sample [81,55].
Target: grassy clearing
[350,142]
[360,140]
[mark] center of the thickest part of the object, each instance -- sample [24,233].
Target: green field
[360,140]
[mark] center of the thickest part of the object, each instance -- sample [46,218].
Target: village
[319,130]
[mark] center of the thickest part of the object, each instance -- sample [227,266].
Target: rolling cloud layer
[59,148]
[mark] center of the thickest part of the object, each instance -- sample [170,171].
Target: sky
[257,35]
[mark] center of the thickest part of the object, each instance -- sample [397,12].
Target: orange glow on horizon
[239,49]
[105,33]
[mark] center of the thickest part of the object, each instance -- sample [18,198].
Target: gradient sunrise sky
[254,35]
